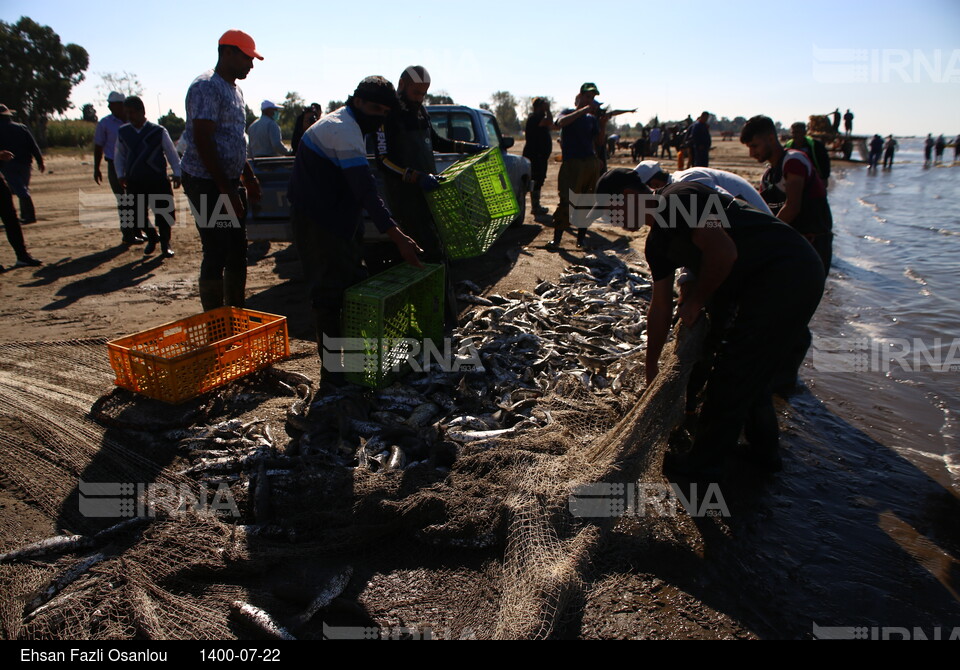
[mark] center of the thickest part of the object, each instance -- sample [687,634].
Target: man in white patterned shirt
[214,165]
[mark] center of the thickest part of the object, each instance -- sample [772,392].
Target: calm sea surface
[886,351]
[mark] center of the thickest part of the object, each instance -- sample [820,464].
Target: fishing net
[486,547]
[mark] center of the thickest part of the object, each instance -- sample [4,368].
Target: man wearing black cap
[331,185]
[214,163]
[744,260]
[17,139]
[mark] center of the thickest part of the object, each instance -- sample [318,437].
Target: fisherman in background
[582,131]
[795,193]
[889,148]
[104,145]
[537,148]
[264,133]
[815,149]
[11,225]
[305,119]
[18,140]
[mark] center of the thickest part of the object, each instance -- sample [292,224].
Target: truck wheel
[517,222]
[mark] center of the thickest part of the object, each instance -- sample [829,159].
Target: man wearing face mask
[405,146]
[331,184]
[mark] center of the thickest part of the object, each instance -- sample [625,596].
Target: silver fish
[262,621]
[332,590]
[72,574]
[58,544]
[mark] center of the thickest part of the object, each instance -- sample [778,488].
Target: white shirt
[265,139]
[724,182]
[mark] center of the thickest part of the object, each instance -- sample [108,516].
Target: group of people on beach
[737,249]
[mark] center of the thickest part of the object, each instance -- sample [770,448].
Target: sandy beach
[850,534]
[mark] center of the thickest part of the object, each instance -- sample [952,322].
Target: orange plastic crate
[183,359]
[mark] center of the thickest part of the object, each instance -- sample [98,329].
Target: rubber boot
[557,237]
[581,236]
[211,294]
[27,213]
[234,287]
[537,209]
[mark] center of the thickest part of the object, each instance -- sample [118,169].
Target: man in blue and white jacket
[331,185]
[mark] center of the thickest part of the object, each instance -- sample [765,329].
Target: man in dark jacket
[701,141]
[16,138]
[404,149]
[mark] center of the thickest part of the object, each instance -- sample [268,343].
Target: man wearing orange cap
[216,175]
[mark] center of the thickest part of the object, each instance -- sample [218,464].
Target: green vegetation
[70,133]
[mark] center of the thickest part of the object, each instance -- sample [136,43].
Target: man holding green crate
[330,186]
[404,148]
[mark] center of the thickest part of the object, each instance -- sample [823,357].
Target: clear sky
[896,65]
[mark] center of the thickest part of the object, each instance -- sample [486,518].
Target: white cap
[116,97]
[646,170]
[266,104]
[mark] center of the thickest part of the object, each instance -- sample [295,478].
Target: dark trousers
[155,195]
[701,156]
[771,319]
[11,224]
[888,158]
[223,270]
[331,265]
[17,175]
[538,169]
[124,210]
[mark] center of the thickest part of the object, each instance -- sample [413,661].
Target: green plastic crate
[474,204]
[383,314]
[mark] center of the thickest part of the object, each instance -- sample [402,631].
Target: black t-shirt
[766,246]
[538,139]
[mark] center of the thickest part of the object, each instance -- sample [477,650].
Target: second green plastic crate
[386,317]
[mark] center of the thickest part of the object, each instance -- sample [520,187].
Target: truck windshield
[493,131]
[454,125]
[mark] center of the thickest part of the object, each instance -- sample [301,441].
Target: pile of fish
[511,352]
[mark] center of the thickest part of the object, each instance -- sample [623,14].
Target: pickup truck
[270,218]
